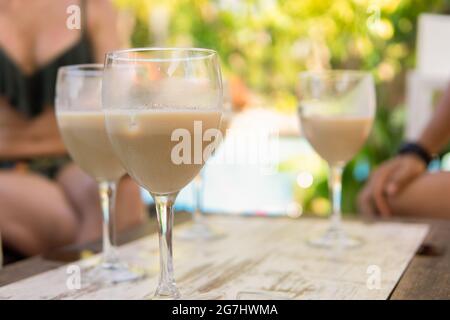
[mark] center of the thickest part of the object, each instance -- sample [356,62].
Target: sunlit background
[263,45]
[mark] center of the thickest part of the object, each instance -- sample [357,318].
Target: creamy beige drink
[85,137]
[336,138]
[150,146]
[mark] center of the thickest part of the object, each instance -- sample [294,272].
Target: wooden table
[426,277]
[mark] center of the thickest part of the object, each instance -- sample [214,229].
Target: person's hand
[386,181]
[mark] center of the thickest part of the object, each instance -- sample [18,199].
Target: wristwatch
[417,150]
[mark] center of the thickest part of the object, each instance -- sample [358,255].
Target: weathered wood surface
[56,258]
[428,274]
[266,255]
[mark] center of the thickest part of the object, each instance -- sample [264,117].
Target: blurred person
[47,201]
[402,186]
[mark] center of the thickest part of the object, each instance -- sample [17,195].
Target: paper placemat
[258,258]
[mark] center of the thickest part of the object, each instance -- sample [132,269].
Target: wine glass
[199,229]
[82,127]
[336,113]
[163,110]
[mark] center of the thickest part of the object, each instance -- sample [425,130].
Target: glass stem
[335,183]
[198,190]
[107,192]
[164,210]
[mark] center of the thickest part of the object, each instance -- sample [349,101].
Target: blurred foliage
[267,43]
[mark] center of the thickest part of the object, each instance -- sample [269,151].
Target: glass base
[335,238]
[262,295]
[109,274]
[173,293]
[166,292]
[199,231]
[205,296]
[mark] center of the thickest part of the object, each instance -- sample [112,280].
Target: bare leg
[82,192]
[34,213]
[37,214]
[427,196]
[130,208]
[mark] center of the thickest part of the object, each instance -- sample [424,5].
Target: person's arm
[434,137]
[394,175]
[437,133]
[102,27]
